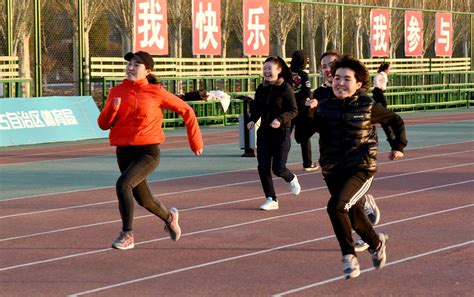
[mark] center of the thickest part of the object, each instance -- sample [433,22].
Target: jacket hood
[298,61]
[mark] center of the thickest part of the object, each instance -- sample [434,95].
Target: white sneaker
[295,186]
[360,245]
[371,209]
[270,204]
[351,266]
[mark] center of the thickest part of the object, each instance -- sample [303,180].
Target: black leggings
[136,163]
[346,209]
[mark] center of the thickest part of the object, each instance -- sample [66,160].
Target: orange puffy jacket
[139,118]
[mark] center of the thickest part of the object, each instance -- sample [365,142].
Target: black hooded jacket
[274,101]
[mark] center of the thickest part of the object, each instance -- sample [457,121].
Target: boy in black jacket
[348,148]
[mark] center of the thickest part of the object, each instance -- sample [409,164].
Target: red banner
[380,32]
[207,27]
[151,27]
[413,33]
[443,34]
[256,31]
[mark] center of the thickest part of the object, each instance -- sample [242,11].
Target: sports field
[59,216]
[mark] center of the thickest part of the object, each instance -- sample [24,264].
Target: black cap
[141,58]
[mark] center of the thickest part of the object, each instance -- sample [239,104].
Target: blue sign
[48,119]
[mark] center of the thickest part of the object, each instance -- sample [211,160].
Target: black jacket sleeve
[384,116]
[305,91]
[290,109]
[255,110]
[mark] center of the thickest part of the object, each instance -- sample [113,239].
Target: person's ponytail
[152,79]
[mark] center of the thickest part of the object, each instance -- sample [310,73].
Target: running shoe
[295,186]
[312,167]
[351,266]
[379,256]
[360,245]
[124,241]
[371,209]
[269,204]
[172,226]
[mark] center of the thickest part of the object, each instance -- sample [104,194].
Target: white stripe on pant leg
[365,187]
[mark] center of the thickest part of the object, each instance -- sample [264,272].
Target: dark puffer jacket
[348,137]
[274,101]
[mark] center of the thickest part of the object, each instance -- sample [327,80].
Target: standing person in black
[348,150]
[275,105]
[302,122]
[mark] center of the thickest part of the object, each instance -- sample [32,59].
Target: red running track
[58,245]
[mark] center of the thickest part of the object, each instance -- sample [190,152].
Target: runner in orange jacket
[134,114]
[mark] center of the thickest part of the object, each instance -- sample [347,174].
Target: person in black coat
[348,149]
[302,122]
[275,106]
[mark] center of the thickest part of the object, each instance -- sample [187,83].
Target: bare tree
[397,28]
[121,13]
[232,23]
[3,29]
[22,22]
[92,10]
[236,18]
[358,32]
[353,28]
[312,22]
[282,20]
[461,37]
[179,19]
[329,24]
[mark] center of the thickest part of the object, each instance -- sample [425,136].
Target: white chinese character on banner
[151,17]
[380,27]
[4,123]
[414,36]
[206,22]
[35,117]
[59,117]
[15,120]
[445,31]
[48,118]
[256,29]
[70,117]
[26,119]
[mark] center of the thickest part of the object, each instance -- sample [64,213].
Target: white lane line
[226,203]
[239,170]
[239,257]
[229,227]
[210,188]
[327,281]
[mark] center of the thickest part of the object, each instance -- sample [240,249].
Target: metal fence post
[38,65]
[80,43]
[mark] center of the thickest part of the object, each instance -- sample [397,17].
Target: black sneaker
[379,256]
